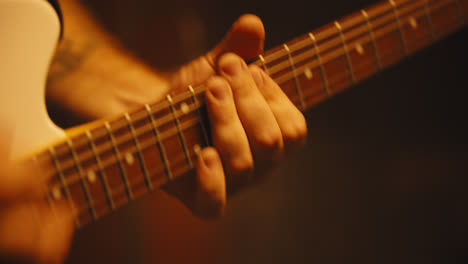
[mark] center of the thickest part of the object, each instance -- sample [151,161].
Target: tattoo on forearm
[68,58]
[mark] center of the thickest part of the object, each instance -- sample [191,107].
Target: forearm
[92,76]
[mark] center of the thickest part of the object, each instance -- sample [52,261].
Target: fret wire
[459,15]
[64,186]
[102,174]
[197,106]
[186,168]
[326,88]
[84,187]
[296,80]
[327,33]
[345,47]
[143,166]
[262,60]
[372,36]
[119,162]
[397,18]
[159,143]
[198,90]
[179,171]
[428,18]
[146,145]
[181,136]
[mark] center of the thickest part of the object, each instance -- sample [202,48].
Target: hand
[253,122]
[29,230]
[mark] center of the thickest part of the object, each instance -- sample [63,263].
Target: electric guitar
[102,166]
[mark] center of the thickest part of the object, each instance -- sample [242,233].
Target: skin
[241,100]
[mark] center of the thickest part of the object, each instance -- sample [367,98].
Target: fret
[322,68]
[84,187]
[179,131]
[372,36]
[64,186]
[262,60]
[345,47]
[397,19]
[119,162]
[427,13]
[293,70]
[102,174]
[197,105]
[143,166]
[162,151]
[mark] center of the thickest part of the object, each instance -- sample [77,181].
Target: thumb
[245,38]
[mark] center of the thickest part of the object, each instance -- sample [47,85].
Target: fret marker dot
[56,193]
[91,176]
[196,149]
[129,158]
[359,49]
[184,108]
[308,73]
[413,22]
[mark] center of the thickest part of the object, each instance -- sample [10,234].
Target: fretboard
[106,167]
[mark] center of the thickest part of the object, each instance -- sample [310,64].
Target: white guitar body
[29,31]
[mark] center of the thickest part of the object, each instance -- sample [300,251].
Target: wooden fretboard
[100,170]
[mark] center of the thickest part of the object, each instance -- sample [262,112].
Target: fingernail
[231,65]
[217,88]
[208,159]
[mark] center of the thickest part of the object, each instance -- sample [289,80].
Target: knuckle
[296,131]
[242,164]
[269,140]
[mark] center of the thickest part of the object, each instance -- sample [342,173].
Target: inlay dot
[196,149]
[56,193]
[359,49]
[184,108]
[308,73]
[91,176]
[413,22]
[129,158]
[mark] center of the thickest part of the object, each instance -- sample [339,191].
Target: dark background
[381,179]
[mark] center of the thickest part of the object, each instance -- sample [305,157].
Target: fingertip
[247,36]
[250,24]
[217,89]
[211,192]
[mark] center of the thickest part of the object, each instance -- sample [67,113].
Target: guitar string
[329,47]
[292,50]
[380,9]
[112,162]
[169,118]
[116,191]
[336,41]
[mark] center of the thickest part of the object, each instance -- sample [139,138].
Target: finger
[245,38]
[211,185]
[228,134]
[254,112]
[289,119]
[55,234]
[35,232]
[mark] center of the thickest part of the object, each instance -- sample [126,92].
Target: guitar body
[30,30]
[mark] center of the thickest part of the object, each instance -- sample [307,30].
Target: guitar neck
[106,167]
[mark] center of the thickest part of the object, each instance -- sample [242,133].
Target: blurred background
[382,178]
